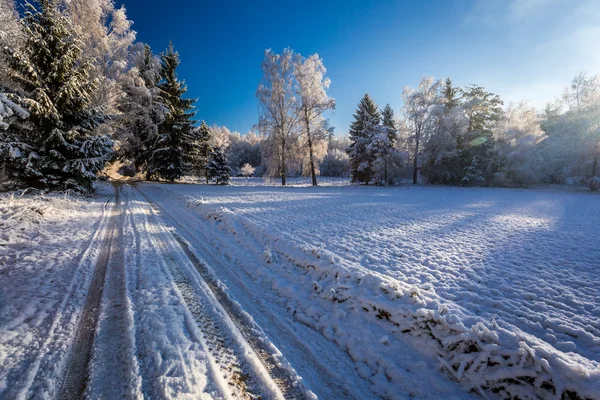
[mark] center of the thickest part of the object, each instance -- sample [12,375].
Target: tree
[278,108]
[247,170]
[312,102]
[572,150]
[200,150]
[361,160]
[11,38]
[516,156]
[386,148]
[174,141]
[483,110]
[140,107]
[65,151]
[218,168]
[451,96]
[420,108]
[106,38]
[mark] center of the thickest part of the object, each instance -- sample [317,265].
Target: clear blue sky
[520,49]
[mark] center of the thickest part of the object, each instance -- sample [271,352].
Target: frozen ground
[197,291]
[522,262]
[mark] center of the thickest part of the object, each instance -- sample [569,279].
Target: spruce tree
[199,150]
[65,153]
[169,150]
[386,149]
[451,96]
[218,168]
[361,160]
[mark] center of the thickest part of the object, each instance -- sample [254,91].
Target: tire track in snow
[44,368]
[76,373]
[284,378]
[330,376]
[114,368]
[165,254]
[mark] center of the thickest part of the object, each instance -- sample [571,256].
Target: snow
[511,272]
[45,257]
[357,292]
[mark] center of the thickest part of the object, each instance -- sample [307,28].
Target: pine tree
[361,160]
[218,168]
[169,150]
[199,150]
[65,154]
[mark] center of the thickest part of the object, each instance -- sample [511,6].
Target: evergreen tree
[386,149]
[217,168]
[172,144]
[65,153]
[141,109]
[361,160]
[199,151]
[450,96]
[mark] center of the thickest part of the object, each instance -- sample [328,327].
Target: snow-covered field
[513,273]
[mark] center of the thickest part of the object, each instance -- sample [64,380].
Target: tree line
[464,136]
[77,92]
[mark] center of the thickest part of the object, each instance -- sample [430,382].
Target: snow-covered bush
[247,170]
[335,164]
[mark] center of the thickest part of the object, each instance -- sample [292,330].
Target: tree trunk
[313,174]
[282,167]
[385,178]
[415,164]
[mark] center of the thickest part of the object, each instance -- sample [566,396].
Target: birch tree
[278,111]
[312,102]
[420,106]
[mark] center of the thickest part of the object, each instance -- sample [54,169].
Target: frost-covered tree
[442,163]
[220,137]
[420,108]
[66,154]
[218,168]
[335,164]
[141,109]
[361,129]
[174,140]
[106,37]
[278,109]
[572,150]
[245,149]
[312,102]
[11,38]
[247,170]
[516,156]
[483,110]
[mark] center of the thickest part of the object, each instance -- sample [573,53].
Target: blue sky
[519,49]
